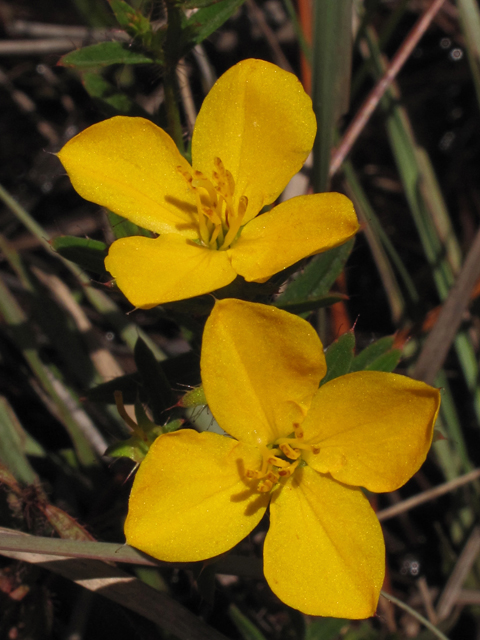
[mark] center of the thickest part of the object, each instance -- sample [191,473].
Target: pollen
[219,212]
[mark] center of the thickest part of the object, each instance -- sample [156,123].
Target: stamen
[230,182]
[298,430]
[219,218]
[236,223]
[289,452]
[286,473]
[277,462]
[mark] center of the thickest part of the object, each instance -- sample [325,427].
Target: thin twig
[426,496]
[370,104]
[186,95]
[46,30]
[414,614]
[449,596]
[256,15]
[39,47]
[443,334]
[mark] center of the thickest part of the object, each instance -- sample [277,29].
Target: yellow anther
[265,486]
[277,462]
[219,217]
[252,473]
[242,206]
[230,182]
[298,430]
[273,477]
[185,174]
[286,473]
[315,448]
[289,451]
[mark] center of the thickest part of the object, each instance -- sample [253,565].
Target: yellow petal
[154,271]
[259,121]
[295,229]
[188,501]
[260,369]
[374,429]
[324,552]
[129,166]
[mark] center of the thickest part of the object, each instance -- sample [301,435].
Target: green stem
[172,40]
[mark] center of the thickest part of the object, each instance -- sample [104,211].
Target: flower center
[219,220]
[281,460]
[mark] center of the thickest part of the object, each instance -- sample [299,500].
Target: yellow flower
[304,450]
[253,133]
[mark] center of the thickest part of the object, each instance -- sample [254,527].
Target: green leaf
[388,362]
[132,20]
[197,4]
[154,380]
[326,629]
[123,228]
[318,276]
[129,385]
[109,97]
[332,60]
[88,254]
[317,302]
[371,353]
[207,20]
[247,629]
[103,54]
[16,444]
[181,370]
[339,356]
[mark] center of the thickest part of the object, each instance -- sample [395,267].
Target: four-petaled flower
[305,450]
[253,133]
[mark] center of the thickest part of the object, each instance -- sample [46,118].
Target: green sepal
[317,277]
[143,421]
[339,356]
[103,54]
[134,448]
[193,398]
[123,228]
[88,254]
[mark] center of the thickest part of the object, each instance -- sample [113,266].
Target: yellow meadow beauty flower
[301,449]
[253,133]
